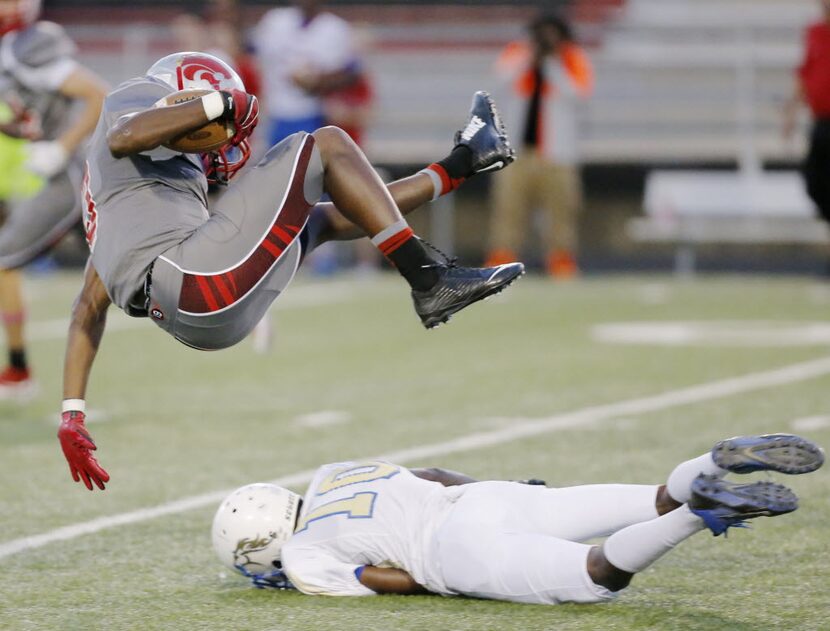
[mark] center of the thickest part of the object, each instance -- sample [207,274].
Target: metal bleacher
[675,78]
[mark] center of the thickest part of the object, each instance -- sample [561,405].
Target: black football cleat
[485,136]
[459,287]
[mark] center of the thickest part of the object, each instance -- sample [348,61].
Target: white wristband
[214,105]
[73,405]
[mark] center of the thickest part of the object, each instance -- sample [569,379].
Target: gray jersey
[137,207]
[34,64]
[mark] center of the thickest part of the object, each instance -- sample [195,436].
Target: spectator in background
[54,102]
[350,108]
[547,76]
[221,36]
[812,86]
[226,32]
[305,54]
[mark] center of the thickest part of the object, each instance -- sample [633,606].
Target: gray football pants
[211,290]
[37,223]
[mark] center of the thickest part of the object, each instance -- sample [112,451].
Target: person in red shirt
[812,87]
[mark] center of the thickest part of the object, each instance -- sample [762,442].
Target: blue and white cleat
[785,453]
[485,136]
[723,505]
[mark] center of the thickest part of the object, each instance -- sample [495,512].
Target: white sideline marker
[523,428]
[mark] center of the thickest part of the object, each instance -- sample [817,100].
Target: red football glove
[243,109]
[77,445]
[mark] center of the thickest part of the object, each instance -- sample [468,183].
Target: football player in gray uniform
[39,81]
[207,275]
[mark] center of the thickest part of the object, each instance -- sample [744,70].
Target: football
[207,138]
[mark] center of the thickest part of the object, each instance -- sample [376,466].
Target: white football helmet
[250,528]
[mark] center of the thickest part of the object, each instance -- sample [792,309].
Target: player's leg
[480,554]
[15,378]
[714,504]
[561,195]
[512,197]
[815,167]
[574,513]
[439,287]
[30,229]
[709,501]
[580,513]
[211,290]
[486,151]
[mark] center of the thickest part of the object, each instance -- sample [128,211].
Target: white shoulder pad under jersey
[40,57]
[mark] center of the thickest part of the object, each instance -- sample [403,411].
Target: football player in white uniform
[40,82]
[367,528]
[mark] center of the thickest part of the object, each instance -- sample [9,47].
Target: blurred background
[685,160]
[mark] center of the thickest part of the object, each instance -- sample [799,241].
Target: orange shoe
[562,265]
[499,256]
[17,385]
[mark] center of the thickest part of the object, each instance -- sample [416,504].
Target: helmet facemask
[221,165]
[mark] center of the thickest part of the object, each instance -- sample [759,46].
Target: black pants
[817,167]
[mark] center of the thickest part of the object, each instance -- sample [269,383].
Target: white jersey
[368,513]
[287,44]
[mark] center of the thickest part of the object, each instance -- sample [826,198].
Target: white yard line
[521,428]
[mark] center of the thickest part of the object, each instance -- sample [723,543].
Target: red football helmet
[192,70]
[15,15]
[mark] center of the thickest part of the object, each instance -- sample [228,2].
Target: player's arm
[89,316]
[47,158]
[84,86]
[443,476]
[150,128]
[387,580]
[319,83]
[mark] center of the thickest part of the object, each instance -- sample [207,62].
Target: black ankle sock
[410,258]
[459,164]
[17,359]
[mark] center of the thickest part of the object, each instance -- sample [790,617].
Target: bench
[691,208]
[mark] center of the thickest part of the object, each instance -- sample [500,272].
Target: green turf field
[352,374]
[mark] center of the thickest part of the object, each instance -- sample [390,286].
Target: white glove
[46,158]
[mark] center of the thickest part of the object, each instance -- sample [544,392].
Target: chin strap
[275,579]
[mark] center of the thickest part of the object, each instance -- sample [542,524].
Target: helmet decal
[193,70]
[199,72]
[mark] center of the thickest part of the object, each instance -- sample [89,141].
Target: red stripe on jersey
[288,222]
